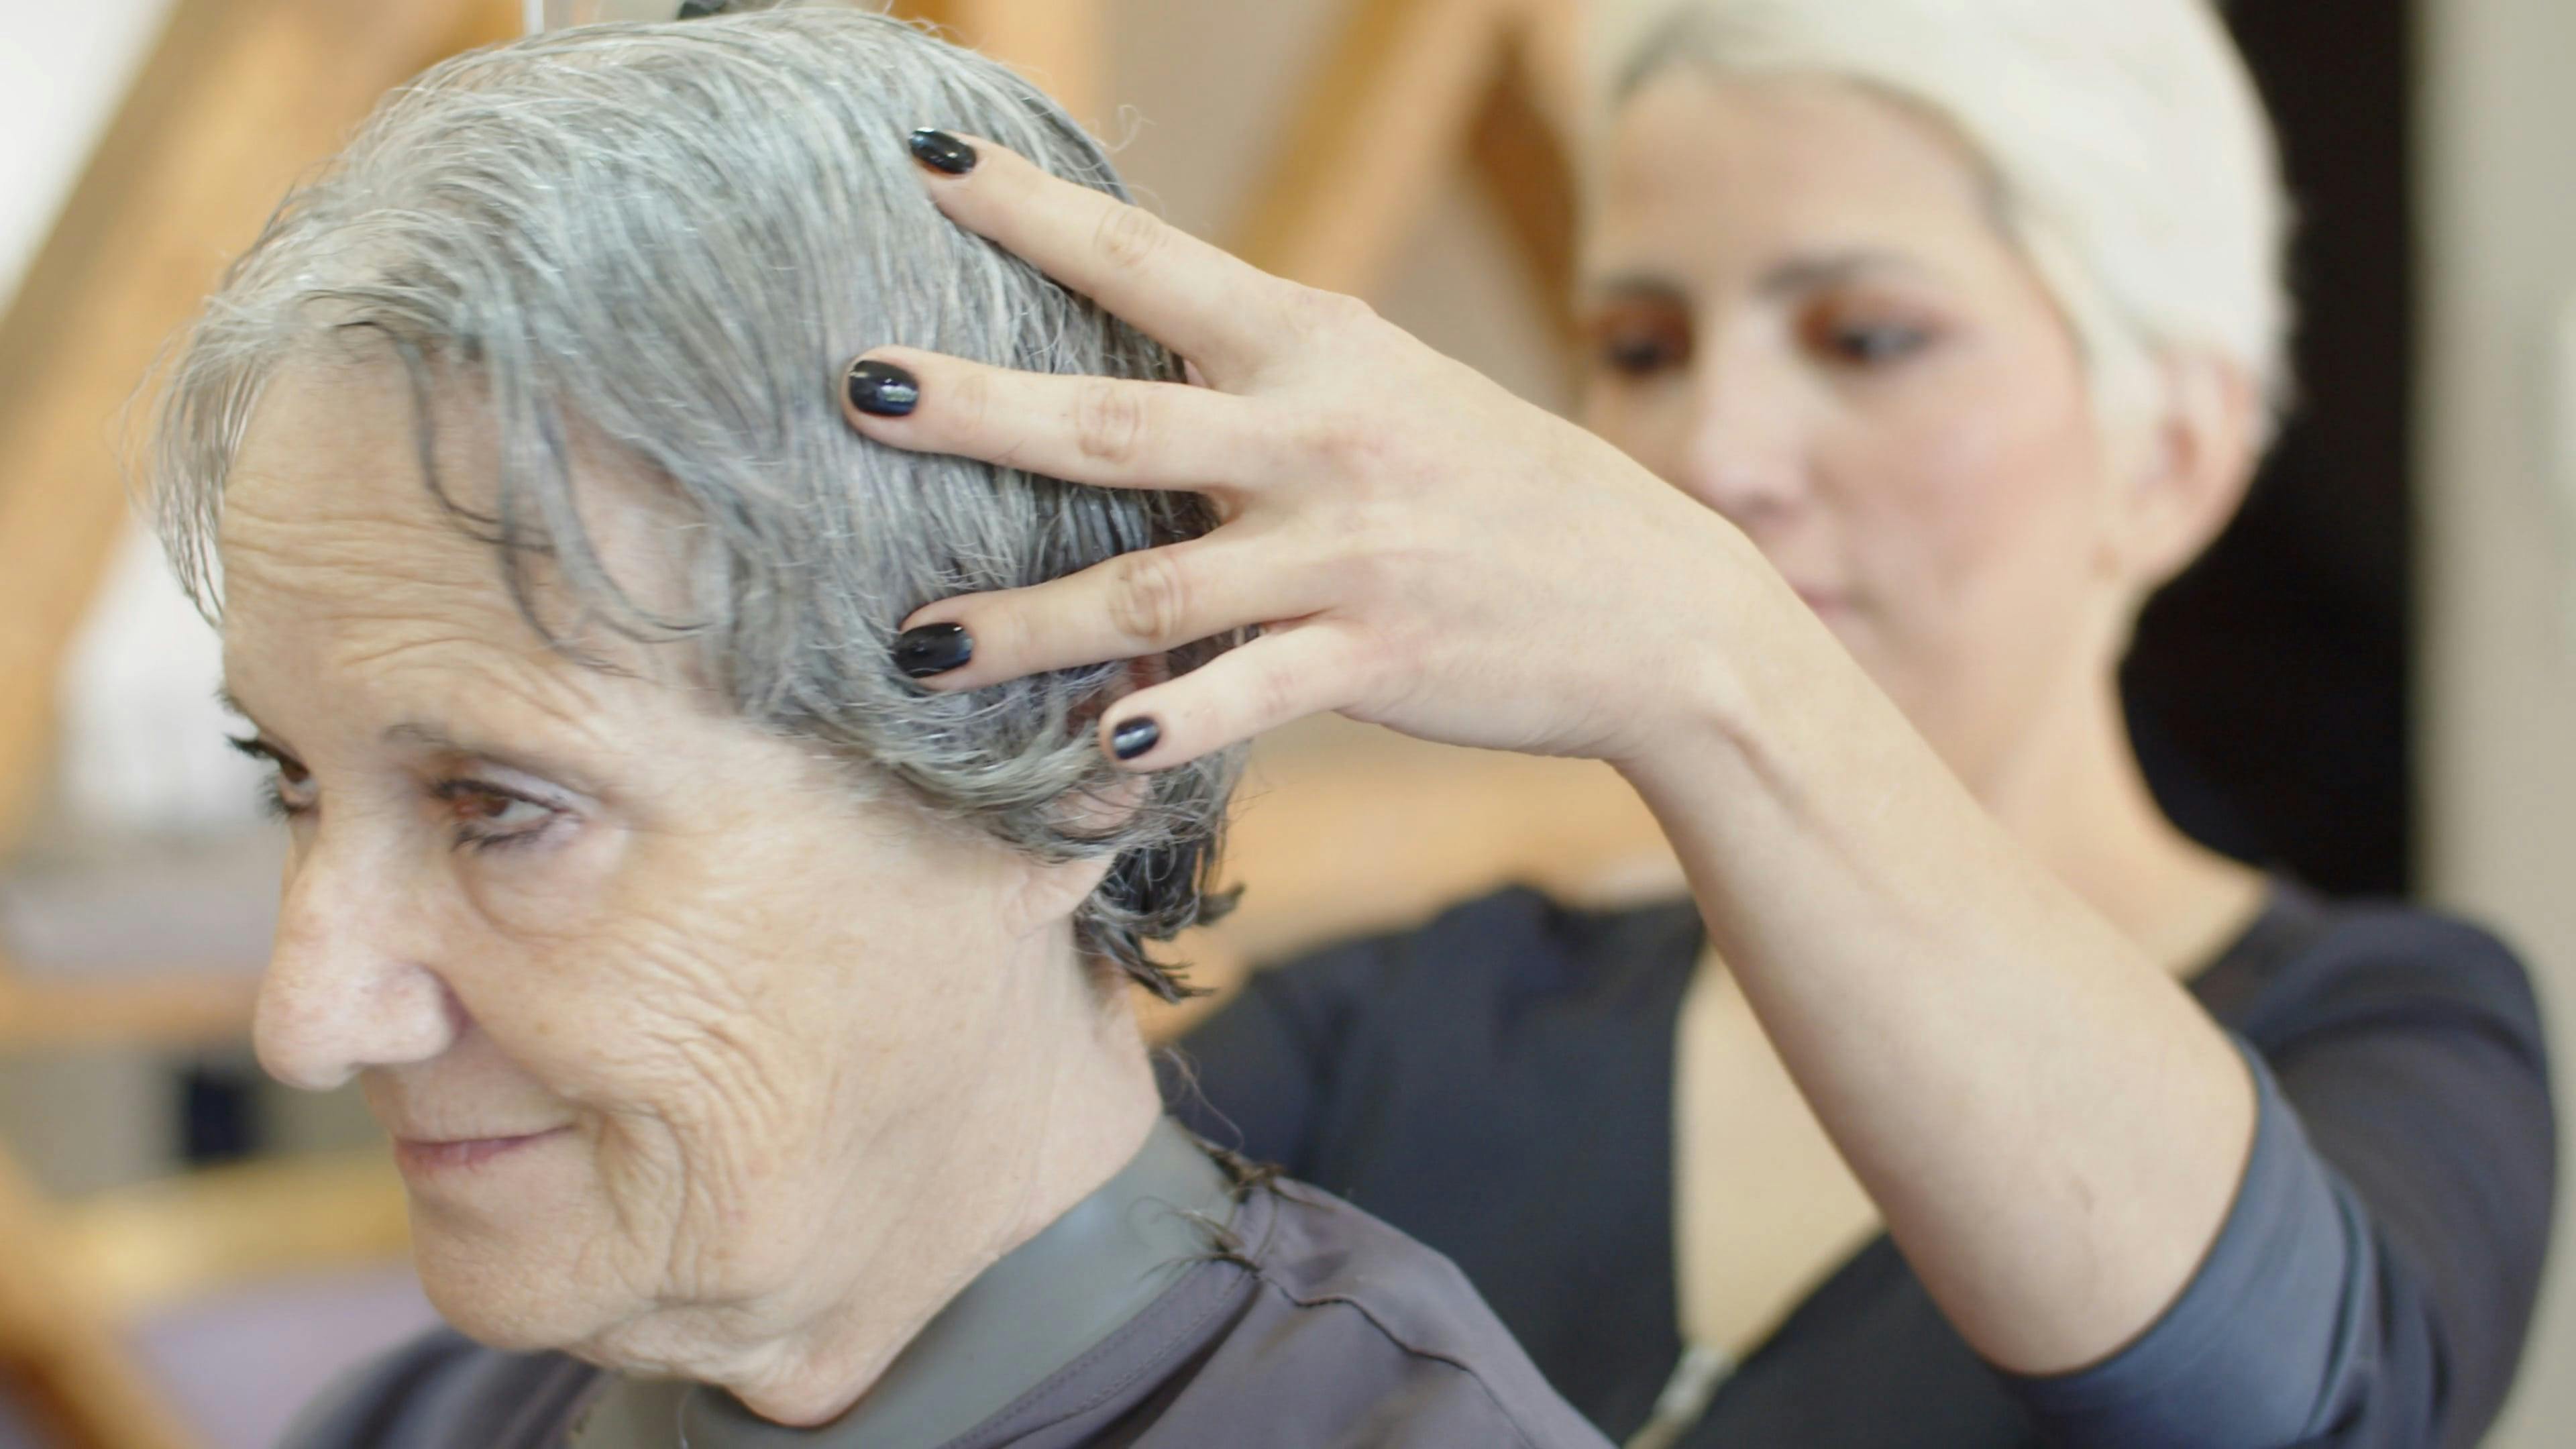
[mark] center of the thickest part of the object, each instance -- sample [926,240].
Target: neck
[2074,796]
[1056,1100]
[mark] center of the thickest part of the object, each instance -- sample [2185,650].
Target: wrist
[1717,681]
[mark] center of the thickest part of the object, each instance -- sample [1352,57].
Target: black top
[1299,1324]
[1499,1084]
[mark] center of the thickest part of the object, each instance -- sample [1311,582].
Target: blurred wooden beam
[1521,157]
[58,1344]
[161,1011]
[1061,45]
[1376,130]
[137,1250]
[238,98]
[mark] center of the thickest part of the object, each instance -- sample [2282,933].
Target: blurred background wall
[2498,644]
[2413,562]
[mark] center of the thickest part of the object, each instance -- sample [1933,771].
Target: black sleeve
[1254,1077]
[2373,1282]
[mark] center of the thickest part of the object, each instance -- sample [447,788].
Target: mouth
[418,1157]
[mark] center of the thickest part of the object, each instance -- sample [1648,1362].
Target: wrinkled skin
[806,1060]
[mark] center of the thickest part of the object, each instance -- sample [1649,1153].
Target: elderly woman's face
[671,1025]
[1803,314]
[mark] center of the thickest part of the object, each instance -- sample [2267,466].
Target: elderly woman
[748,1023]
[1968,1102]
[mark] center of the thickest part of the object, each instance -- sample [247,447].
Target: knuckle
[970,400]
[1108,422]
[1272,697]
[1318,315]
[1149,599]
[1130,237]
[1349,443]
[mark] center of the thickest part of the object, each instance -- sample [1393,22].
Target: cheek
[1650,423]
[751,981]
[1979,503]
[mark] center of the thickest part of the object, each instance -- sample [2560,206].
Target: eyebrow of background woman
[1790,277]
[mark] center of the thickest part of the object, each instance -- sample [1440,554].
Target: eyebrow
[1797,274]
[422,735]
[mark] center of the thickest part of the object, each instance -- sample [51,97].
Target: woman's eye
[288,790]
[1640,343]
[487,817]
[1874,345]
[1861,343]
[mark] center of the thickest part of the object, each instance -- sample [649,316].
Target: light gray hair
[2132,159]
[671,237]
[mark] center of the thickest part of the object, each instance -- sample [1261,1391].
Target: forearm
[2052,1128]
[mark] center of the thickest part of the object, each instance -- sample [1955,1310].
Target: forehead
[328,503]
[1741,164]
[336,550]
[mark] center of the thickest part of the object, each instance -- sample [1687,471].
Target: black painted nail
[932,649]
[883,389]
[942,152]
[1135,737]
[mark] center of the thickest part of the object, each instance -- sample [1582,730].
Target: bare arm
[2053,1130]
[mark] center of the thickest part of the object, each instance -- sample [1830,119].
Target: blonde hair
[2132,159]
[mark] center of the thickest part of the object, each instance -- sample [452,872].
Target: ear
[2190,475]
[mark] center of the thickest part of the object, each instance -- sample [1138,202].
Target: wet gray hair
[671,237]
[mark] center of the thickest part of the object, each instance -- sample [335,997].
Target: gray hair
[670,237]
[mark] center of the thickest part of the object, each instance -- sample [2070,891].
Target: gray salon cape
[1181,1306]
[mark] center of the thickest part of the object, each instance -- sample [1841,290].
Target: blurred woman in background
[1968,1102]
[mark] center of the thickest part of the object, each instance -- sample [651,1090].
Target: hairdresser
[1967,1102]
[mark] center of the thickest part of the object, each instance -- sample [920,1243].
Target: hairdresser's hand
[1420,548]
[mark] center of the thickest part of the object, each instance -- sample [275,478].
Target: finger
[1274,680]
[1200,300]
[1137,604]
[1116,432]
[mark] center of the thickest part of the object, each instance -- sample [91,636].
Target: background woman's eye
[1865,338]
[1876,345]
[1641,341]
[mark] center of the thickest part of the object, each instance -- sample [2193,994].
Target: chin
[507,1288]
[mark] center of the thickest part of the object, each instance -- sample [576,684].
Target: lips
[421,1155]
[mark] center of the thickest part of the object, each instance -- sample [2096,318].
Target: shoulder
[2317,966]
[1400,1345]
[444,1391]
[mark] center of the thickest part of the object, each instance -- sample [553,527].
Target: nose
[345,989]
[1741,455]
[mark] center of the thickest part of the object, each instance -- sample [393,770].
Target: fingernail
[883,389]
[942,152]
[932,649]
[1135,737]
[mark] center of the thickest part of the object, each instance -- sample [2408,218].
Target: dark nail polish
[932,649]
[942,152]
[1134,738]
[884,389]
